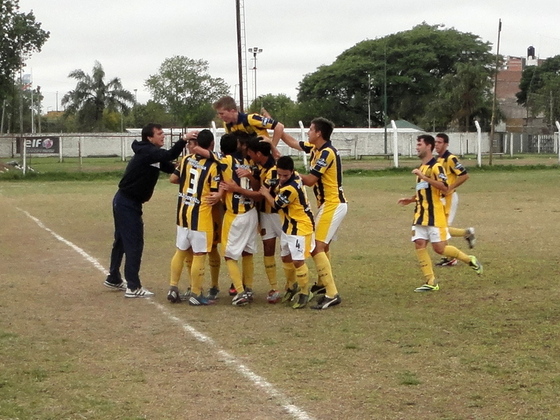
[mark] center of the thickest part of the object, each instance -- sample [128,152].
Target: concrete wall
[351,142]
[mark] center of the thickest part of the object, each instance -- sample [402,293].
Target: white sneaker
[470,238]
[138,293]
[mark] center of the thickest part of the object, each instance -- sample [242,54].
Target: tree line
[432,76]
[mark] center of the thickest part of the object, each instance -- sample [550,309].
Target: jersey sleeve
[457,167]
[306,147]
[322,163]
[283,198]
[258,121]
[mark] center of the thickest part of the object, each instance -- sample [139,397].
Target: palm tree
[92,96]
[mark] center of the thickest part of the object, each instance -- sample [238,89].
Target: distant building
[509,77]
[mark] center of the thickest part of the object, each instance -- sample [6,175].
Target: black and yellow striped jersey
[268,176]
[291,198]
[453,168]
[235,202]
[251,123]
[430,211]
[198,177]
[326,165]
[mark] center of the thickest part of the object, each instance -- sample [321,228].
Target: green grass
[482,347]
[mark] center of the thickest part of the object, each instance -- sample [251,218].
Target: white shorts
[241,235]
[430,233]
[328,220]
[197,240]
[271,225]
[299,247]
[451,202]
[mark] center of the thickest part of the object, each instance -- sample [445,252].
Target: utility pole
[494,97]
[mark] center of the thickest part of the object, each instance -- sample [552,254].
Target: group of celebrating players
[225,199]
[228,197]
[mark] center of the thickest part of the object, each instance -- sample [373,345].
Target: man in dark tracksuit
[135,188]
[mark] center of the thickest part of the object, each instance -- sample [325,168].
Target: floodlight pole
[255,51]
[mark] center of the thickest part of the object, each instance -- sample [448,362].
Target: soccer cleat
[470,238]
[475,265]
[427,288]
[302,301]
[213,293]
[249,293]
[318,289]
[187,294]
[240,299]
[232,290]
[138,293]
[290,293]
[274,296]
[447,262]
[115,286]
[326,302]
[200,300]
[173,295]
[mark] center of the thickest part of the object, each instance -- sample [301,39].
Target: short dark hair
[228,144]
[256,145]
[148,130]
[286,163]
[205,139]
[428,140]
[443,136]
[324,126]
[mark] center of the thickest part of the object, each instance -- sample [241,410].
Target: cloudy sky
[131,38]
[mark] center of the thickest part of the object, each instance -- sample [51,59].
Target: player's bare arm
[266,194]
[460,181]
[309,179]
[231,186]
[291,141]
[406,201]
[440,185]
[174,179]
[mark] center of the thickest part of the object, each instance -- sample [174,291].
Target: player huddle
[246,189]
[226,199]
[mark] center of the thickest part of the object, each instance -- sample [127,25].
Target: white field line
[259,382]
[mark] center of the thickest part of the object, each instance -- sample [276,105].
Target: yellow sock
[302,277]
[456,232]
[453,252]
[197,273]
[290,272]
[324,271]
[270,270]
[188,259]
[248,270]
[235,275]
[426,265]
[214,260]
[177,267]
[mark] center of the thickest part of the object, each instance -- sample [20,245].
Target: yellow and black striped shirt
[268,176]
[291,198]
[198,177]
[251,123]
[326,165]
[235,202]
[430,210]
[452,167]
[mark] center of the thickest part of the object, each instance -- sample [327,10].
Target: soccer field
[480,348]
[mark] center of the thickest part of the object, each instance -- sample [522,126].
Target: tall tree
[462,97]
[539,89]
[20,36]
[280,107]
[92,96]
[409,64]
[185,88]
